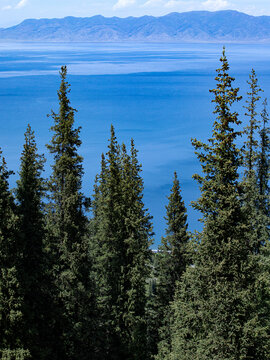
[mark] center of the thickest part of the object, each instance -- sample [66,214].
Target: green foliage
[264,163]
[18,354]
[251,144]
[216,308]
[73,288]
[172,255]
[137,240]
[122,233]
[107,225]
[7,210]
[172,260]
[152,310]
[11,300]
[29,245]
[67,227]
[257,219]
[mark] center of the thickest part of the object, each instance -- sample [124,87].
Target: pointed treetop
[176,211]
[219,156]
[251,143]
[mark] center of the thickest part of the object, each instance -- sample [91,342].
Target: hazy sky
[14,11]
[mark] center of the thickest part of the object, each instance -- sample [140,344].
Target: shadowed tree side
[172,260]
[108,235]
[11,297]
[264,163]
[67,226]
[32,264]
[251,144]
[122,231]
[250,151]
[217,305]
[138,224]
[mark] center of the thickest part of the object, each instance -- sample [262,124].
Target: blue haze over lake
[156,93]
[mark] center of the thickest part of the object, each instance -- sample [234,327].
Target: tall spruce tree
[152,315]
[218,304]
[30,245]
[108,236]
[122,231]
[137,240]
[251,143]
[264,163]
[258,220]
[75,333]
[172,260]
[173,257]
[263,175]
[250,160]
[11,299]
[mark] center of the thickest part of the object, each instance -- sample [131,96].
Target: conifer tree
[122,231]
[67,226]
[30,246]
[137,241]
[152,314]
[264,162]
[108,220]
[11,300]
[218,304]
[263,175]
[107,226]
[172,260]
[173,257]
[250,160]
[251,143]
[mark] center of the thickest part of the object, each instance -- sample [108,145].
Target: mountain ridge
[198,26]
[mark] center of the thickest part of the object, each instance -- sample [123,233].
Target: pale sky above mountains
[14,11]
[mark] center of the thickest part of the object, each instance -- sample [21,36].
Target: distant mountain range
[195,26]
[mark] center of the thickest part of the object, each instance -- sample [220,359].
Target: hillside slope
[190,26]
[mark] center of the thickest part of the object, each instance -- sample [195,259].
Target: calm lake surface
[156,93]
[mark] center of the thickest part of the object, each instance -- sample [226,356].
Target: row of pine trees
[76,285]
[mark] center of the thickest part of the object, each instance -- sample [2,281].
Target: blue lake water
[156,93]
